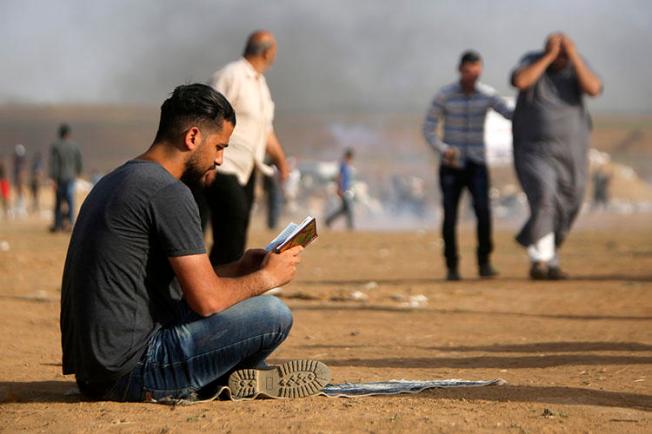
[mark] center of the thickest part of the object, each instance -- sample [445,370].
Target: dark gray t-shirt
[116,281]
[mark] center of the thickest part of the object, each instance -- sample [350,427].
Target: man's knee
[277,312]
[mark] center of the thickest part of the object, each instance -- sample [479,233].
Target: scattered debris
[299,296]
[4,246]
[358,296]
[415,301]
[550,414]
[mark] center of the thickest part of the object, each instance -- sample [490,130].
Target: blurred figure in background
[230,194]
[291,187]
[20,166]
[344,184]
[35,180]
[551,139]
[463,106]
[4,188]
[65,166]
[601,181]
[273,197]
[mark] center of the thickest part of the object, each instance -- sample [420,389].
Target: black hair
[470,56]
[348,153]
[197,104]
[64,130]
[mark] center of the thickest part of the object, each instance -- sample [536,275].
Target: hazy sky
[333,55]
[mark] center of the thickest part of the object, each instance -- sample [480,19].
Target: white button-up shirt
[247,91]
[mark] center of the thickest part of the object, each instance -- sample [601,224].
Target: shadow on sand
[427,280]
[492,362]
[386,308]
[539,347]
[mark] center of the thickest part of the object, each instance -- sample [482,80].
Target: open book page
[281,237]
[294,235]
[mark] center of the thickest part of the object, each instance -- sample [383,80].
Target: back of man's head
[64,131]
[193,105]
[258,43]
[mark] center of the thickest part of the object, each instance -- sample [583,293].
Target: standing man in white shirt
[231,194]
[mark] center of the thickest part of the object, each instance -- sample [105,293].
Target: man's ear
[192,138]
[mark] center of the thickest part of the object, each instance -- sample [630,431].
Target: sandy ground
[577,355]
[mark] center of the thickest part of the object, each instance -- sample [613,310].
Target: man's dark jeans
[194,354]
[274,193]
[65,193]
[345,209]
[475,177]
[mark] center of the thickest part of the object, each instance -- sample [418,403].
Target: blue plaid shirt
[464,117]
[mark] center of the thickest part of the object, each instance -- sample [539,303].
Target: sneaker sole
[293,379]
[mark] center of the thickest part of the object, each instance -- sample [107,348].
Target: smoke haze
[333,55]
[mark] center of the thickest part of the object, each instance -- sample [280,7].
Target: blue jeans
[65,192]
[194,354]
[475,178]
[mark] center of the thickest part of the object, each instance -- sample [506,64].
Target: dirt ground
[576,355]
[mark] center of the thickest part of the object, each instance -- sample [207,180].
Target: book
[293,235]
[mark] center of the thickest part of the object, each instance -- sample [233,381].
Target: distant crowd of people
[64,167]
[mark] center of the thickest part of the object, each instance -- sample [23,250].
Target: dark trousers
[345,209]
[65,193]
[475,177]
[274,199]
[230,208]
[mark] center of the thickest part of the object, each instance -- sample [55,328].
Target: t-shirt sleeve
[176,222]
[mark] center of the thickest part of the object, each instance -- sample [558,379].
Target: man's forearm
[232,269]
[588,81]
[275,150]
[528,75]
[432,138]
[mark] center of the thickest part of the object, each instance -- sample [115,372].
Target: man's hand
[568,46]
[280,268]
[554,46]
[251,261]
[450,157]
[283,172]
[208,179]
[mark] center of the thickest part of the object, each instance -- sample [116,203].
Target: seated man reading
[130,332]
